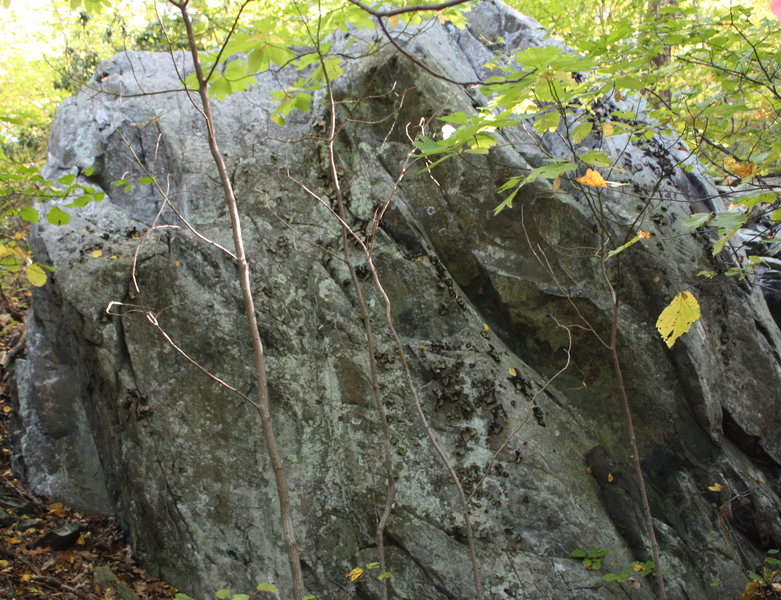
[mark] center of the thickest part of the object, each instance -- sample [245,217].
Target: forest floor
[46,549]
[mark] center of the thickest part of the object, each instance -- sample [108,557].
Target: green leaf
[146,180]
[697,220]
[678,317]
[310,597]
[595,158]
[267,587]
[220,88]
[67,179]
[222,594]
[181,596]
[481,144]
[29,214]
[36,275]
[719,246]
[372,565]
[57,216]
[547,122]
[628,83]
[729,220]
[538,57]
[382,576]
[240,597]
[581,131]
[578,553]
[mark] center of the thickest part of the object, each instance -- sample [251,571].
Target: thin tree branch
[267,426]
[391,12]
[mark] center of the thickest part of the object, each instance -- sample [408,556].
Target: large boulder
[113,419]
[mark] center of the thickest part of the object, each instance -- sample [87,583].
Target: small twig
[390,12]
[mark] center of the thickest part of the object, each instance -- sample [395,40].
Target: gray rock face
[112,419]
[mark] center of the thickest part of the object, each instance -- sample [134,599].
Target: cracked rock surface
[113,420]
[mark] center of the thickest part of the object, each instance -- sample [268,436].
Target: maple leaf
[678,317]
[592,178]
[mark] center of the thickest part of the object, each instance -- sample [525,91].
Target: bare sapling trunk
[262,403]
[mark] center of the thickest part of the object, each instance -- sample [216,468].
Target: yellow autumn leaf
[644,235]
[607,129]
[592,178]
[441,18]
[512,372]
[742,170]
[556,184]
[393,20]
[486,327]
[678,317]
[96,253]
[716,487]
[26,576]
[610,478]
[36,275]
[355,574]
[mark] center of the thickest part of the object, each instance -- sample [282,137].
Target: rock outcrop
[111,418]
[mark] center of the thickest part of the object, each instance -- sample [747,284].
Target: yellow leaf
[607,129]
[556,184]
[36,275]
[742,170]
[644,235]
[486,327]
[441,18]
[678,317]
[716,487]
[96,253]
[393,20]
[610,478]
[512,372]
[637,566]
[592,178]
[355,574]
[617,95]
[26,576]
